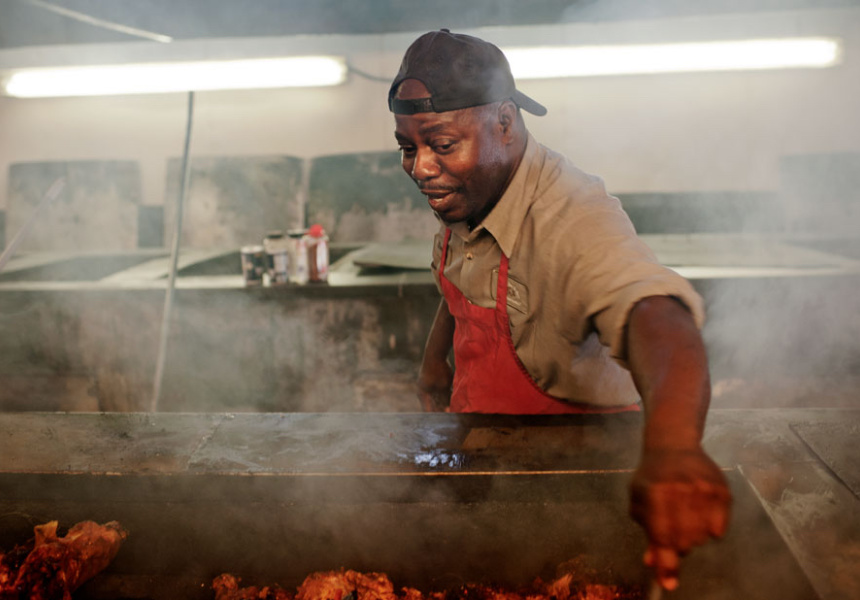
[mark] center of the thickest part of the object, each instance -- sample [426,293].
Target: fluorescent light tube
[584,61]
[152,78]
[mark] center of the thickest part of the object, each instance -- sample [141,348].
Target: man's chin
[449,217]
[447,208]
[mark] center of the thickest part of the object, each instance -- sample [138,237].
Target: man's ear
[507,119]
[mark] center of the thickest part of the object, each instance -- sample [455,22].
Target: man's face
[456,158]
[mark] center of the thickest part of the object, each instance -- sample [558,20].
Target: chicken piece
[10,562]
[474,591]
[596,591]
[325,585]
[5,573]
[575,581]
[560,588]
[372,586]
[226,587]
[408,593]
[566,588]
[493,593]
[353,585]
[338,585]
[56,566]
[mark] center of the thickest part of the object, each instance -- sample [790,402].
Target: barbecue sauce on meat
[50,567]
[352,585]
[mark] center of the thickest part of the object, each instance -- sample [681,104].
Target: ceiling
[26,23]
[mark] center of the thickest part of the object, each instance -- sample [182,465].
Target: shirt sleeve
[612,269]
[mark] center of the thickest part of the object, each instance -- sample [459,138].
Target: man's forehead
[422,125]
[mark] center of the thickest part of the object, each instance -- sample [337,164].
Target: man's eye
[407,150]
[444,147]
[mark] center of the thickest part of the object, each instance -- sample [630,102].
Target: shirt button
[469,256]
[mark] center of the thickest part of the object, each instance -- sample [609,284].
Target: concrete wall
[684,132]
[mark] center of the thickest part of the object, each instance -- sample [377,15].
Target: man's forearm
[677,493]
[667,358]
[441,336]
[436,376]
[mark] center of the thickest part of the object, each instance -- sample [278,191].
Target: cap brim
[527,104]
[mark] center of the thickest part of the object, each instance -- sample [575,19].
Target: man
[547,291]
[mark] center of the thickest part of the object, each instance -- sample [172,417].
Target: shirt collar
[506,218]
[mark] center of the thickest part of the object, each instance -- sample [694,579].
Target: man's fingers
[431,402]
[719,521]
[666,563]
[681,516]
[690,526]
[435,401]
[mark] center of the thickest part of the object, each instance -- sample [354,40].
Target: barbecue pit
[434,501]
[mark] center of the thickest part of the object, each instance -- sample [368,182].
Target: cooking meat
[353,585]
[50,567]
[324,585]
[557,590]
[337,585]
[473,591]
[411,594]
[226,587]
[331,585]
[10,562]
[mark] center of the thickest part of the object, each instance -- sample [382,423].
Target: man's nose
[425,166]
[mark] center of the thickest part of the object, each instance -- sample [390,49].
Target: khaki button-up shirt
[576,269]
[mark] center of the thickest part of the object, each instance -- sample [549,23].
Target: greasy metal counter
[430,499]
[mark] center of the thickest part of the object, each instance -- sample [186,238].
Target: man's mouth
[437,197]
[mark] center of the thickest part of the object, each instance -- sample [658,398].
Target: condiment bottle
[298,256]
[253,265]
[277,258]
[318,254]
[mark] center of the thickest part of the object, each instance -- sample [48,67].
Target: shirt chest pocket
[518,293]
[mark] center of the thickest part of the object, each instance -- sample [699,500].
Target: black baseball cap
[460,71]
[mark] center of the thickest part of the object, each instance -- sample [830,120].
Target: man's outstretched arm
[678,494]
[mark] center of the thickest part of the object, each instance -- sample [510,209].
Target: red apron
[489,377]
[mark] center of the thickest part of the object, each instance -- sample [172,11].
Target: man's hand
[678,494]
[436,375]
[434,385]
[681,499]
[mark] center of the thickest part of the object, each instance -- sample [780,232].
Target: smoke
[776,342]
[789,337]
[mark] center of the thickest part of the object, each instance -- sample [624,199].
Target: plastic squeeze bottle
[318,253]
